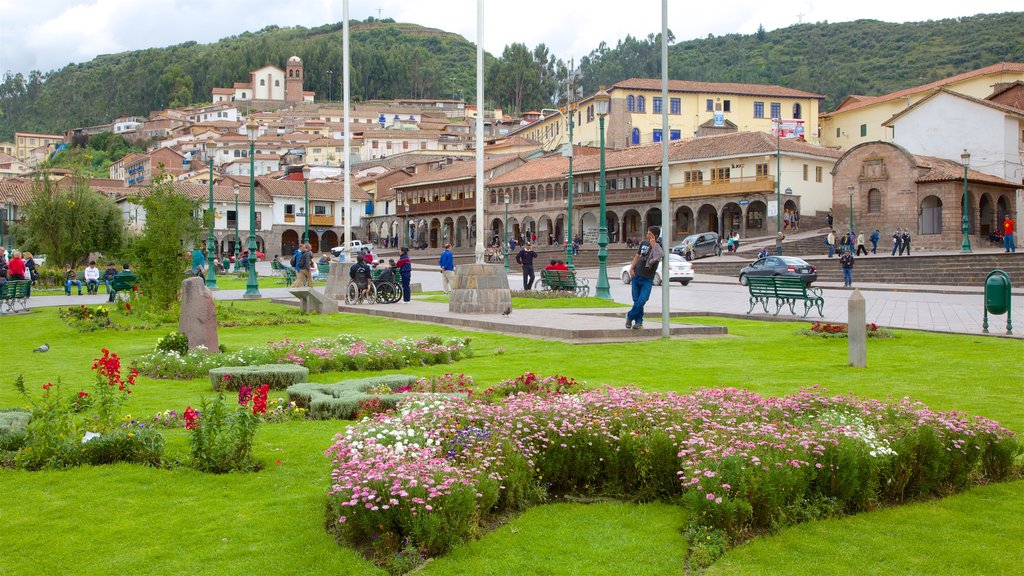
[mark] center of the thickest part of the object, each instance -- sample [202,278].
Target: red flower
[259,402]
[127,306]
[244,394]
[83,394]
[48,385]
[191,419]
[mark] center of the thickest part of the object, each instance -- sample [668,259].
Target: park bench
[564,280]
[123,284]
[286,273]
[784,291]
[13,293]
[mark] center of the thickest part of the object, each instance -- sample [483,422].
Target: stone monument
[337,281]
[198,317]
[857,331]
[480,289]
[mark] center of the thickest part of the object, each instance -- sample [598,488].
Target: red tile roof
[715,88]
[457,170]
[553,167]
[318,190]
[942,170]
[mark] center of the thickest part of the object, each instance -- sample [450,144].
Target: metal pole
[572,153]
[480,136]
[603,288]
[965,246]
[506,231]
[211,242]
[7,227]
[666,216]
[252,286]
[238,239]
[305,195]
[778,175]
[348,130]
[850,190]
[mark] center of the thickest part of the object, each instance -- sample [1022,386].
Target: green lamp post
[211,242]
[252,287]
[507,200]
[849,189]
[237,238]
[10,218]
[601,102]
[406,240]
[568,207]
[965,245]
[305,188]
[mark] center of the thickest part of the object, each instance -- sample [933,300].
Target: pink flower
[711,495]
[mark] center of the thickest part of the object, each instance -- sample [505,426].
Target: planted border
[277,376]
[342,400]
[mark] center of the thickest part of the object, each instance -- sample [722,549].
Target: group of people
[901,241]
[791,220]
[732,242]
[18,266]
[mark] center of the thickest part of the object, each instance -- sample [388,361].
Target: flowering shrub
[85,318]
[110,391]
[339,354]
[369,407]
[173,342]
[531,383]
[432,473]
[281,411]
[446,383]
[220,438]
[831,330]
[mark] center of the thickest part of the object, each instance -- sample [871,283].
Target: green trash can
[997,298]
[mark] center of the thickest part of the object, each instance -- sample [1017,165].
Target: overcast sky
[49,34]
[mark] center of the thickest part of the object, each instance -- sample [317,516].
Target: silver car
[697,246]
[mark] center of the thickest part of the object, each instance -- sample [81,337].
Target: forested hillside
[406,60]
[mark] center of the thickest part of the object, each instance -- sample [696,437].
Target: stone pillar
[480,289]
[198,316]
[337,281]
[857,332]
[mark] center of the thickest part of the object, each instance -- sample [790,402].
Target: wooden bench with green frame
[12,294]
[564,280]
[784,291]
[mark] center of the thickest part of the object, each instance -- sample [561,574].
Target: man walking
[642,271]
[1008,229]
[906,241]
[447,264]
[897,243]
[874,241]
[831,241]
[860,244]
[525,258]
[304,265]
[846,261]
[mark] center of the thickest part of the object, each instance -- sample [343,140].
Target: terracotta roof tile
[318,190]
[538,170]
[715,88]
[942,170]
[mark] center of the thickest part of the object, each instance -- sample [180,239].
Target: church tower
[293,80]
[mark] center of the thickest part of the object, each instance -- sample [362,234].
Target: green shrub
[277,376]
[342,400]
[221,437]
[173,342]
[13,419]
[133,445]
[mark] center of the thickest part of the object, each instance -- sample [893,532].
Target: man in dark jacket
[525,258]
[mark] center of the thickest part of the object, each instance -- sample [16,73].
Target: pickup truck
[355,247]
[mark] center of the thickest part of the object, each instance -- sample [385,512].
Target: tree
[159,253]
[68,222]
[177,85]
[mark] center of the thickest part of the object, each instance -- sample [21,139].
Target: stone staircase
[923,269]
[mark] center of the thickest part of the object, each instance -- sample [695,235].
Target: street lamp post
[850,190]
[507,200]
[237,238]
[252,287]
[211,242]
[305,193]
[330,85]
[406,232]
[601,101]
[7,226]
[965,246]
[568,208]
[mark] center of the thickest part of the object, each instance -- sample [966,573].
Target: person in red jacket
[16,267]
[1008,229]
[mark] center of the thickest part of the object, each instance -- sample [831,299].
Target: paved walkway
[954,310]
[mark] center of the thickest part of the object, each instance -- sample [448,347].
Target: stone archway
[461,231]
[755,218]
[732,218]
[545,231]
[987,221]
[631,225]
[329,239]
[707,219]
[314,242]
[653,219]
[614,229]
[683,223]
[434,233]
[588,226]
[447,231]
[931,216]
[289,242]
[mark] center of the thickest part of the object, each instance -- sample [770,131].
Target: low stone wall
[480,289]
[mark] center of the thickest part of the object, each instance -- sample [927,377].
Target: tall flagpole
[348,137]
[480,131]
[666,217]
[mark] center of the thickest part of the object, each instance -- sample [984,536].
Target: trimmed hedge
[277,376]
[340,400]
[13,420]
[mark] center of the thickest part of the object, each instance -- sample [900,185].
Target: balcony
[749,185]
[289,217]
[439,207]
[321,220]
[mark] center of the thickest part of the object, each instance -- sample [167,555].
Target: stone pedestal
[337,281]
[312,301]
[856,330]
[480,289]
[198,317]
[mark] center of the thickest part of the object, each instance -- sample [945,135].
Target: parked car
[679,271]
[355,247]
[697,245]
[779,266]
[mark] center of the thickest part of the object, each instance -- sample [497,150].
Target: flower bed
[86,318]
[836,330]
[353,399]
[277,376]
[432,474]
[339,354]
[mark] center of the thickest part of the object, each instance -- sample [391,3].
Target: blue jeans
[847,276]
[107,283]
[92,286]
[641,293]
[1009,244]
[874,246]
[831,250]
[69,283]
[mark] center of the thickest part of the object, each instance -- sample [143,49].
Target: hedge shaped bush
[277,376]
[340,400]
[13,419]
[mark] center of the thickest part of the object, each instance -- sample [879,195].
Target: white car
[679,271]
[356,247]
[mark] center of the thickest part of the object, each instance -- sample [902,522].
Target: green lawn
[131,519]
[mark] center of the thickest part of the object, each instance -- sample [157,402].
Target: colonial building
[860,119]
[892,188]
[268,84]
[32,148]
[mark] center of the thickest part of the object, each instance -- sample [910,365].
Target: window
[805,172]
[675,106]
[693,177]
[838,133]
[720,174]
[863,130]
[641,104]
[776,110]
[405,144]
[674,135]
[630,103]
[375,144]
[289,209]
[238,153]
[818,173]
[388,145]
[874,201]
[762,170]
[243,95]
[796,111]
[656,137]
[710,105]
[316,150]
[319,210]
[423,145]
[635,140]
[726,106]
[232,215]
[656,104]
[758,109]
[263,82]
